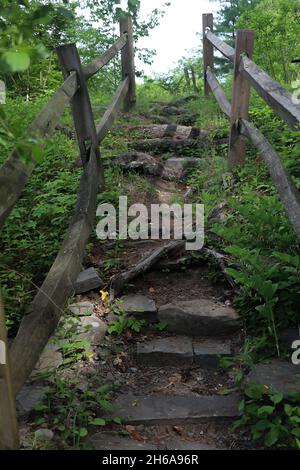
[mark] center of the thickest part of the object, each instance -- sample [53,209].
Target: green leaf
[296,432]
[276,398]
[262,425]
[17,61]
[98,422]
[255,391]
[272,437]
[265,410]
[83,432]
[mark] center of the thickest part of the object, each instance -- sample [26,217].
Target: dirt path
[169,391]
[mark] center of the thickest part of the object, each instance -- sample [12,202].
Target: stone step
[182,350]
[107,441]
[164,409]
[203,317]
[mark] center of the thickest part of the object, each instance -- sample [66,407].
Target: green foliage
[124,322]
[277,27]
[272,420]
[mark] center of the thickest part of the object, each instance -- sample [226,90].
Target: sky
[177,32]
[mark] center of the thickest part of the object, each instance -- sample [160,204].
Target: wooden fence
[246,75]
[46,308]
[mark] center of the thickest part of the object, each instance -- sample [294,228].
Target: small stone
[140,307]
[29,397]
[82,309]
[93,329]
[44,434]
[88,280]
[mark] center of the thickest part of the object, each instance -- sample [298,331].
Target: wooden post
[187,77]
[196,91]
[9,438]
[127,56]
[240,99]
[208,50]
[80,103]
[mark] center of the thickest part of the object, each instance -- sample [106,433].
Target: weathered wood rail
[248,74]
[46,308]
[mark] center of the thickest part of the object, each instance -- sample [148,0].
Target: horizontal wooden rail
[46,308]
[110,114]
[218,93]
[97,64]
[272,92]
[289,194]
[224,48]
[14,173]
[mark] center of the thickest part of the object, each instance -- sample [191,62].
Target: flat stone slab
[166,352]
[199,318]
[82,309]
[93,329]
[49,359]
[164,409]
[277,375]
[88,280]
[140,307]
[182,350]
[208,351]
[106,441]
[176,168]
[29,397]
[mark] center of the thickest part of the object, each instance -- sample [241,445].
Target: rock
[199,318]
[106,441]
[44,434]
[29,397]
[140,307]
[139,161]
[166,352]
[93,329]
[176,168]
[82,309]
[50,359]
[277,375]
[88,280]
[174,110]
[168,409]
[208,351]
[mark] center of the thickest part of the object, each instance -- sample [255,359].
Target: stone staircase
[206,330]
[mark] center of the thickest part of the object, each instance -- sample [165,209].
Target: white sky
[177,32]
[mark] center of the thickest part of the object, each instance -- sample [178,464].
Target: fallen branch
[120,280]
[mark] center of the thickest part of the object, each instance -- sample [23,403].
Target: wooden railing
[246,75]
[46,308]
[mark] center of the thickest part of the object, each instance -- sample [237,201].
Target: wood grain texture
[208,50]
[219,93]
[280,100]
[111,113]
[127,58]
[221,46]
[97,64]
[47,307]
[240,99]
[9,438]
